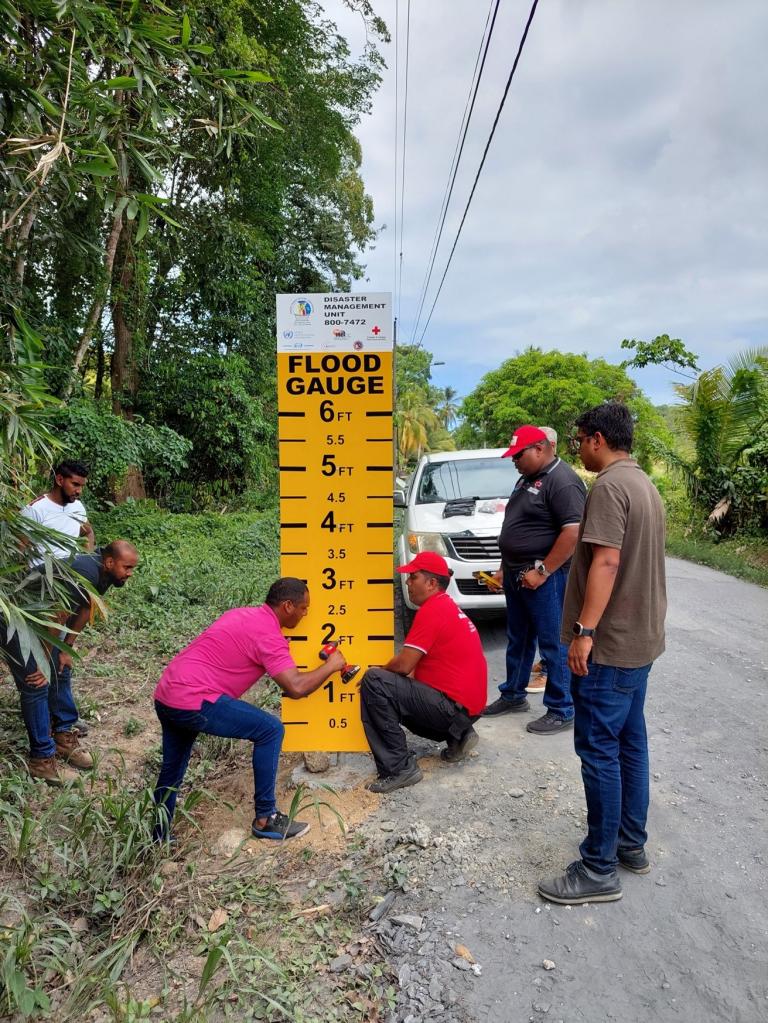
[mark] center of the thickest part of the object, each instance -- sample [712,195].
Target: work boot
[456,751]
[68,748]
[81,727]
[549,723]
[48,770]
[410,775]
[502,706]
[635,860]
[580,884]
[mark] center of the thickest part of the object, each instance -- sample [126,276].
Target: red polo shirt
[453,660]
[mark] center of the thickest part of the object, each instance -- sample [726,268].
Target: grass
[742,556]
[95,921]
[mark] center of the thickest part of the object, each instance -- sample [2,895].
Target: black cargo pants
[391,702]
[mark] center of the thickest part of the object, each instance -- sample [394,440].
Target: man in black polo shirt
[48,708]
[537,540]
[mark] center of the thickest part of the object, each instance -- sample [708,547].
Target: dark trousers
[610,738]
[535,616]
[391,702]
[231,719]
[45,709]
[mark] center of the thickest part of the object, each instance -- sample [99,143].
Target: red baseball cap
[427,561]
[523,438]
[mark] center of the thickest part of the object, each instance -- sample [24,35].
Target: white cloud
[626,191]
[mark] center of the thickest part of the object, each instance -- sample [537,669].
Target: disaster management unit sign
[335,391]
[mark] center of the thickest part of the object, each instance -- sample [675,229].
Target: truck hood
[428,518]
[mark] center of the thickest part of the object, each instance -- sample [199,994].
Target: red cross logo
[376,331]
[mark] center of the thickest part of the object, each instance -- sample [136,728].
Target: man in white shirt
[62,510]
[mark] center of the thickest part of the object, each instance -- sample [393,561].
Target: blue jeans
[44,709]
[610,738]
[231,719]
[537,615]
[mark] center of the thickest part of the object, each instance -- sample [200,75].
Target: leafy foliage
[661,351]
[551,389]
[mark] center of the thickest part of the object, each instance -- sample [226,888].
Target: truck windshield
[481,478]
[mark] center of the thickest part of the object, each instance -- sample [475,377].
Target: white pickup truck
[454,505]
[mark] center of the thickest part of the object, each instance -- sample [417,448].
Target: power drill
[349,671]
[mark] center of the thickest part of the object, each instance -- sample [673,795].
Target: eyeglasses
[575,443]
[522,452]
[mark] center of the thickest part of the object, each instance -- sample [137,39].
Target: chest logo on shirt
[537,484]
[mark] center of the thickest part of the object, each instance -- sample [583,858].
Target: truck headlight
[418,542]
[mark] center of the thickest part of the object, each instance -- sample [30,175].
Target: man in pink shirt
[200,691]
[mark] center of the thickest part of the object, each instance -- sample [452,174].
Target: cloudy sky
[625,194]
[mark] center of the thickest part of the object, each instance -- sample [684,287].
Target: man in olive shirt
[615,604]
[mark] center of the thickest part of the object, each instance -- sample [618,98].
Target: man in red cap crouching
[435,687]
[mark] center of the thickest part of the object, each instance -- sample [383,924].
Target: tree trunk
[98,390]
[97,304]
[22,248]
[126,314]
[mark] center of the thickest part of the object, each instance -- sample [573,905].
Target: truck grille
[474,588]
[475,548]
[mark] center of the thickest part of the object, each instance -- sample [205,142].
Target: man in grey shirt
[615,605]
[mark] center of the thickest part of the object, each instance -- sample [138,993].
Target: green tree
[551,389]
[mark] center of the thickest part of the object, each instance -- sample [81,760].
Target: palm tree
[725,414]
[448,408]
[414,419]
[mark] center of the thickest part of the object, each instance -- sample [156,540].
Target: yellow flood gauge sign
[335,392]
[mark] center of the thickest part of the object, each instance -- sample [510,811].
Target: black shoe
[549,724]
[410,775]
[502,706]
[580,884]
[454,752]
[278,827]
[634,860]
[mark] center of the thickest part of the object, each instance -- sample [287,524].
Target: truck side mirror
[399,499]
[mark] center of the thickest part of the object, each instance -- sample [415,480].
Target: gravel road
[689,941]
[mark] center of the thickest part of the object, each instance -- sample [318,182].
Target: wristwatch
[579,630]
[541,568]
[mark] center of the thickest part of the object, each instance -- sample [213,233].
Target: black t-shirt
[88,566]
[538,508]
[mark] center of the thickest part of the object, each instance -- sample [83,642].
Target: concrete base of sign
[345,771]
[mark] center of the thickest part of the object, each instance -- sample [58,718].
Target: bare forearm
[562,548]
[298,684]
[600,583]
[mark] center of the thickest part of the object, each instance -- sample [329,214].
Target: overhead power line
[405,135]
[469,106]
[480,168]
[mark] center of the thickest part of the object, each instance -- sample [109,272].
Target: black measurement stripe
[293,525]
[291,415]
[373,638]
[292,440]
[292,468]
[380,552]
[303,666]
[289,554]
[379,440]
[380,582]
[379,525]
[378,415]
[297,639]
[378,468]
[293,497]
[380,609]
[295,722]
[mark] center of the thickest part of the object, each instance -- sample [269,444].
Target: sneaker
[635,860]
[47,769]
[549,723]
[502,706]
[410,775]
[454,752]
[538,668]
[537,684]
[69,750]
[580,884]
[278,827]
